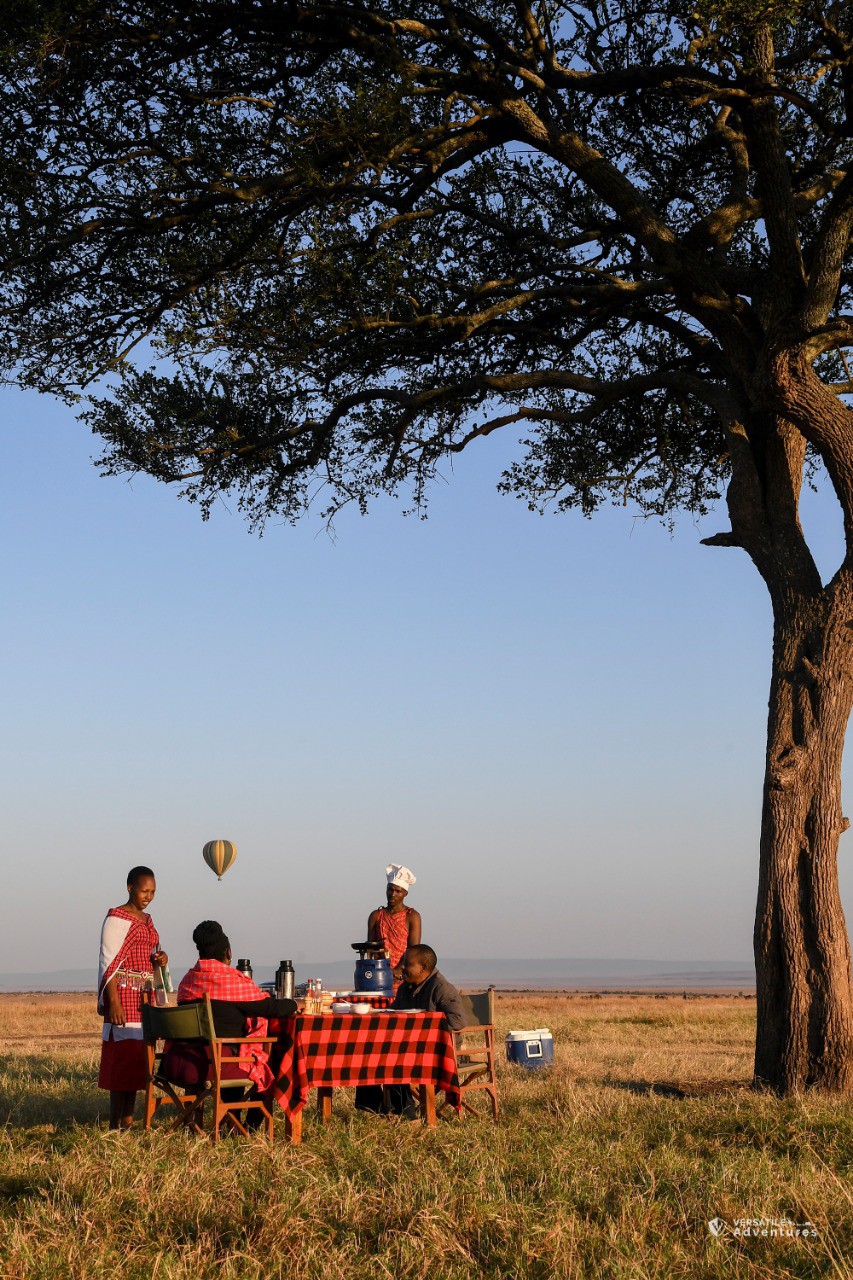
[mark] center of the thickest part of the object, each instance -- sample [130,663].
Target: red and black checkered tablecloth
[339,1050]
[373,998]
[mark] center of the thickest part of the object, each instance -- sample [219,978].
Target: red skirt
[124,1065]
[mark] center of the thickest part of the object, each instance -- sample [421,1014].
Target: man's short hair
[211,940]
[135,874]
[424,954]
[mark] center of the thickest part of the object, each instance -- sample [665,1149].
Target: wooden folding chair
[193,1024]
[475,1054]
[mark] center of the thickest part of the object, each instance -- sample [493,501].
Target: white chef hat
[398,874]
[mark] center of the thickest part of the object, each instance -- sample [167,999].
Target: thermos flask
[284,981]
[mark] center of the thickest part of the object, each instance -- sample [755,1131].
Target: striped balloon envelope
[219,855]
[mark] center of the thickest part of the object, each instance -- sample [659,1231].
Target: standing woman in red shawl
[130,947]
[395,926]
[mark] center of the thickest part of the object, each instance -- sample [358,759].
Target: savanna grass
[609,1166]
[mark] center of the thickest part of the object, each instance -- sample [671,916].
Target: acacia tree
[318,248]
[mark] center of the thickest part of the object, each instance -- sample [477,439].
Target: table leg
[324,1104]
[293,1128]
[426,1097]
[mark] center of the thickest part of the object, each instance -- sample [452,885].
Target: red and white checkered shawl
[127,941]
[221,982]
[393,929]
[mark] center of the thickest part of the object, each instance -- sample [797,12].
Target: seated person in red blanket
[423,987]
[233,996]
[239,1008]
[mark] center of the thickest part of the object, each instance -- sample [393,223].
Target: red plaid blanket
[339,1050]
[217,980]
[221,982]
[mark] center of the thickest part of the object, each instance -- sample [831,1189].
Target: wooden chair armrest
[246,1040]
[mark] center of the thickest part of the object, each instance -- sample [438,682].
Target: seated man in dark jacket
[423,987]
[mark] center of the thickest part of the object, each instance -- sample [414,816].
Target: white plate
[398,1010]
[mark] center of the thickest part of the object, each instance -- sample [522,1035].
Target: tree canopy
[363,235]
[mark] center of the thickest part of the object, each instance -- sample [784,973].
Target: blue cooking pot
[374,975]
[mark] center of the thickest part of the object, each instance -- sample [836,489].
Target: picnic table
[331,1051]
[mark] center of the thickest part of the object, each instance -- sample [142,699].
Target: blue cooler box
[531,1049]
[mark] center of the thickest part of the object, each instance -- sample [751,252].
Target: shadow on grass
[14,1187]
[645,1088]
[34,1090]
[668,1089]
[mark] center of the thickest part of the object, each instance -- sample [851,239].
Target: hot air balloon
[219,855]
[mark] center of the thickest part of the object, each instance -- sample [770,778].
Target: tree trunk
[802,954]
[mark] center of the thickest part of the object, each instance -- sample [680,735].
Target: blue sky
[556,723]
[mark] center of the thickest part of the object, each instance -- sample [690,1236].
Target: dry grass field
[611,1166]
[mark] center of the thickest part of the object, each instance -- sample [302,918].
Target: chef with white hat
[395,926]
